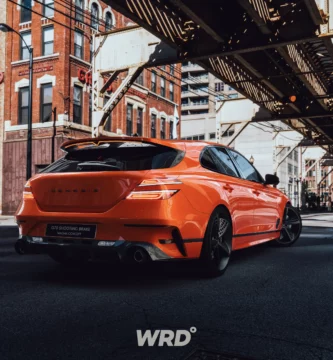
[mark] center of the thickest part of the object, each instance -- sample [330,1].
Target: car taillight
[161,192]
[27,193]
[152,195]
[159,182]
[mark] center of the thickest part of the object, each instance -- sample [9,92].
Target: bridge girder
[266,50]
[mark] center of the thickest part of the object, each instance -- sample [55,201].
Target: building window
[139,79]
[219,86]
[78,44]
[153,82]
[23,105]
[228,132]
[139,121]
[77,105]
[48,40]
[171,90]
[290,169]
[91,51]
[79,10]
[94,16]
[26,10]
[48,9]
[129,120]
[162,86]
[195,137]
[212,136]
[45,102]
[162,128]
[108,124]
[172,69]
[108,21]
[153,126]
[24,49]
[90,109]
[171,130]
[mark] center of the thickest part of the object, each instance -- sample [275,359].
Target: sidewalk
[8,227]
[318,220]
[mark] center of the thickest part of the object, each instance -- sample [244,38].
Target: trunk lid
[93,192]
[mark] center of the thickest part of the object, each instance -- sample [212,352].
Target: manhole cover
[208,355]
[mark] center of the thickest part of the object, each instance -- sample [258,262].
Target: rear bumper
[110,250]
[173,226]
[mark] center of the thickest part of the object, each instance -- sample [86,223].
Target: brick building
[317,175]
[60,33]
[3,8]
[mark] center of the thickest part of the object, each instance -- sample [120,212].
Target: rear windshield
[117,156]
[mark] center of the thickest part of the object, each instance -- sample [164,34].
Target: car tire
[291,227]
[217,245]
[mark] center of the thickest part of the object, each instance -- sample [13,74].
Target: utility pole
[54,134]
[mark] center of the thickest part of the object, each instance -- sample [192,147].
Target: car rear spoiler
[72,145]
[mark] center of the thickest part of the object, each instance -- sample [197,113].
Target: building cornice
[80,61]
[36,59]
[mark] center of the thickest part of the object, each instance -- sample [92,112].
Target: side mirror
[271,180]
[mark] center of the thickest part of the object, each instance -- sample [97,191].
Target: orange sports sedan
[136,200]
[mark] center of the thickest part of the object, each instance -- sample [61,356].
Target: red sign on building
[86,78]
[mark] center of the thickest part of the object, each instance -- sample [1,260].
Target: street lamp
[7,28]
[297,180]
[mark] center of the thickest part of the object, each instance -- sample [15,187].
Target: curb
[9,231]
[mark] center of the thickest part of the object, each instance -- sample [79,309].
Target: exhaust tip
[138,255]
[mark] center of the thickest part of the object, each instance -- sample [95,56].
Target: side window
[207,161]
[226,165]
[248,171]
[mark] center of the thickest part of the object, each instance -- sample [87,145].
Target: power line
[70,7]
[88,25]
[181,80]
[151,71]
[42,15]
[198,82]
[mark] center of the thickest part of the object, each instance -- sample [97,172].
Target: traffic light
[289,99]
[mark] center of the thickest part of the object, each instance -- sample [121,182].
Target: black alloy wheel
[291,227]
[217,246]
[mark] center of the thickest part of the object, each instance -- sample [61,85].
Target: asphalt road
[270,304]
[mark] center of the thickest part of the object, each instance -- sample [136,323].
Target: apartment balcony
[195,106]
[194,93]
[191,67]
[196,79]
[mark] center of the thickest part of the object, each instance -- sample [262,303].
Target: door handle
[228,188]
[256,192]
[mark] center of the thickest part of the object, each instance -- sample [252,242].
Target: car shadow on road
[162,274]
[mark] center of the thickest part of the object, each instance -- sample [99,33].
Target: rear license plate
[71,230]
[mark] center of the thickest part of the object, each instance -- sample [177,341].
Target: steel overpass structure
[277,53]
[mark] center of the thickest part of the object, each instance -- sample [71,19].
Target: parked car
[138,199]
